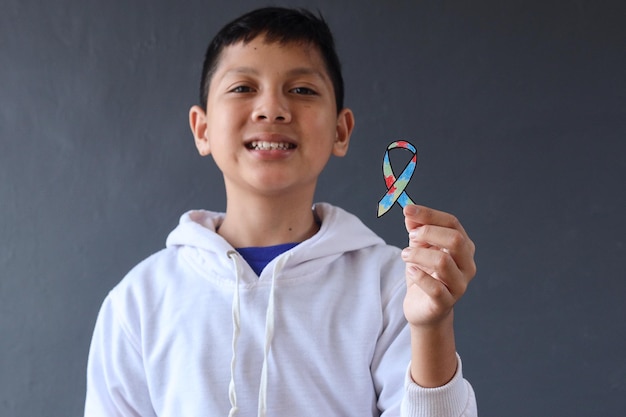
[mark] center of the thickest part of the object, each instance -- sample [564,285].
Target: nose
[272,107]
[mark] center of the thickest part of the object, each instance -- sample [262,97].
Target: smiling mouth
[259,145]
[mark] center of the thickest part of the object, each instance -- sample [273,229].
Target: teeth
[270,146]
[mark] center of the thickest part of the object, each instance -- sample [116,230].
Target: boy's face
[271,121]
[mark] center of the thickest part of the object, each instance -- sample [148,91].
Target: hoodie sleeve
[455,399]
[116,380]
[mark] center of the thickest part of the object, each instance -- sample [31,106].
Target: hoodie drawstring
[236,313]
[269,334]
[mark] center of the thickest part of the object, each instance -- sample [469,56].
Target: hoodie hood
[340,232]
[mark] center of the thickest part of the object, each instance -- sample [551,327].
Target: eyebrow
[292,72]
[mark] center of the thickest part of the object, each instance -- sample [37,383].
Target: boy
[275,308]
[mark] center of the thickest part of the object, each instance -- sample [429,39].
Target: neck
[268,221]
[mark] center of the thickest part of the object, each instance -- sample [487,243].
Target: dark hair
[280,25]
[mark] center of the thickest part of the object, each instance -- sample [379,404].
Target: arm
[439,266]
[116,383]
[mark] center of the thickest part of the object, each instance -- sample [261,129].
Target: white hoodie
[192,331]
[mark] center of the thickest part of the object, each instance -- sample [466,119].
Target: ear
[345,124]
[198,124]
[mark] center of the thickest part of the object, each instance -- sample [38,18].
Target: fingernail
[410,209]
[405,252]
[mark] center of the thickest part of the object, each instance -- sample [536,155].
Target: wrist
[433,353]
[434,325]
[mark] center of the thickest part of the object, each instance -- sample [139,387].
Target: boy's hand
[439,265]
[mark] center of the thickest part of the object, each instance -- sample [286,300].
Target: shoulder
[146,281]
[148,270]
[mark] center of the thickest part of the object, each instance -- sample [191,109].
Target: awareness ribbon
[395,186]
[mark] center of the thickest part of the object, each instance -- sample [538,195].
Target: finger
[439,265]
[435,289]
[457,243]
[452,241]
[415,216]
[442,237]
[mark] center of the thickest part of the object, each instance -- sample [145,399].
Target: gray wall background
[518,109]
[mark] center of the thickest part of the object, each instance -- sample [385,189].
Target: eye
[241,89]
[304,91]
